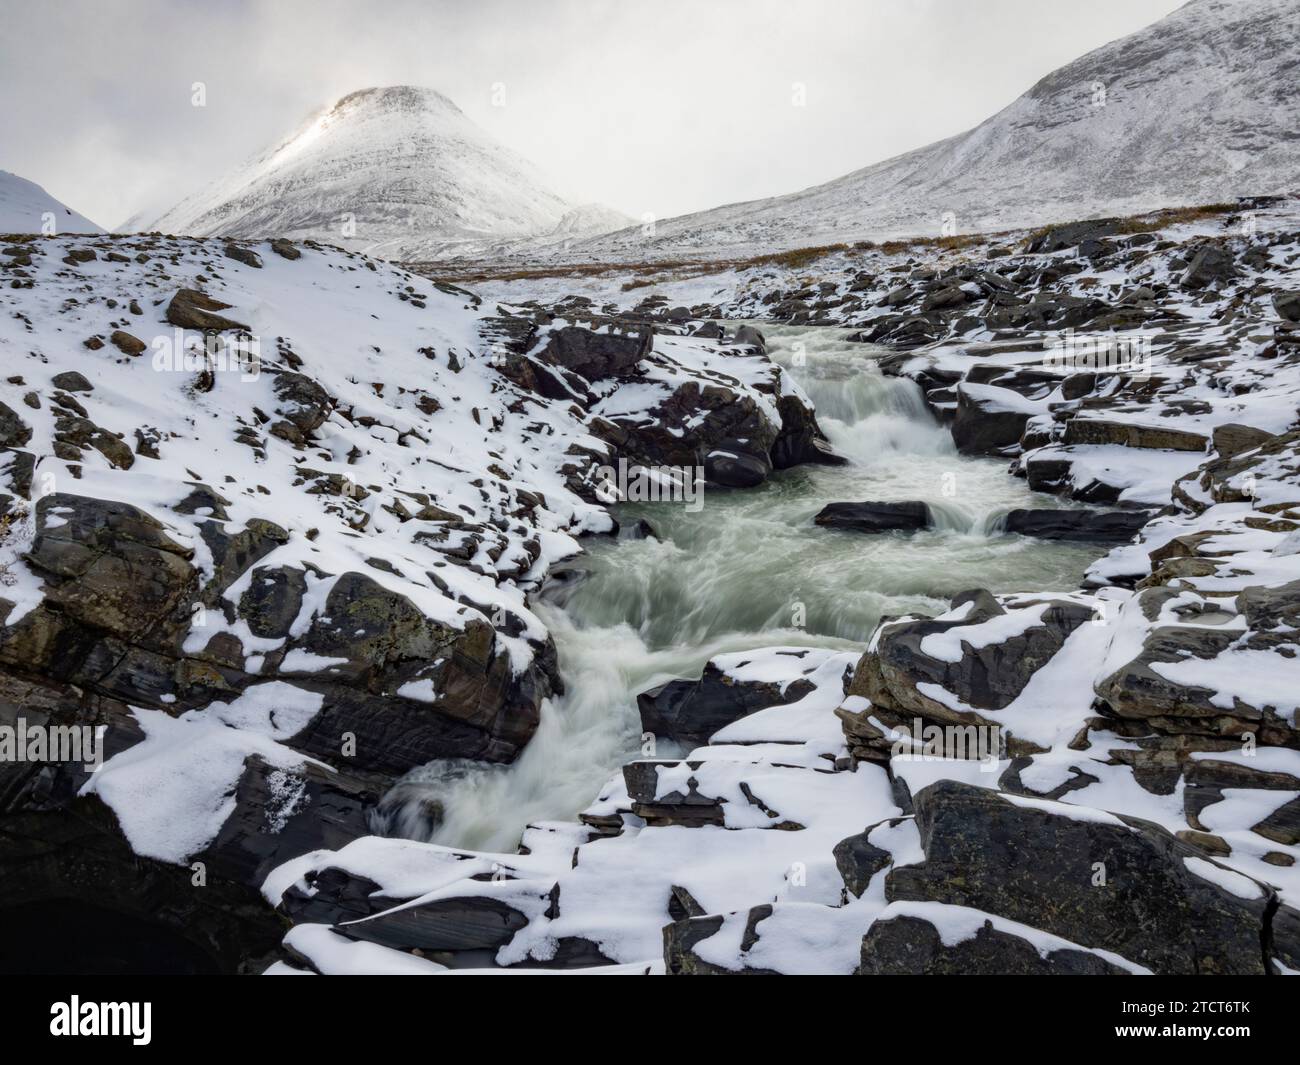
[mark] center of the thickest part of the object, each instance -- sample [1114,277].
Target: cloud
[666,108]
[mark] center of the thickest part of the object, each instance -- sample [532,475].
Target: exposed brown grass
[647,273]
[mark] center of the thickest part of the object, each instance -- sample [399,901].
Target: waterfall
[750,569]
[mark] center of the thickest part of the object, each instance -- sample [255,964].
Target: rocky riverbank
[297,584]
[272,515]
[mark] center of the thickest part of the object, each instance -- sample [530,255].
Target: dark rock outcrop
[913,946]
[875,517]
[1090,526]
[1113,883]
[690,711]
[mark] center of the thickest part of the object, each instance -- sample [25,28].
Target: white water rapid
[738,574]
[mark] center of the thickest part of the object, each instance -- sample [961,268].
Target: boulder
[1112,883]
[747,334]
[690,711]
[1150,686]
[682,937]
[191,309]
[72,381]
[126,343]
[983,674]
[1131,434]
[907,945]
[302,401]
[875,517]
[107,565]
[476,705]
[1058,238]
[594,355]
[285,249]
[1231,439]
[1088,526]
[243,255]
[1287,305]
[1235,479]
[733,464]
[1210,265]
[986,424]
[14,432]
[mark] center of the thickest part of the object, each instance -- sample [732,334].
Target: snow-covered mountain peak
[396,171]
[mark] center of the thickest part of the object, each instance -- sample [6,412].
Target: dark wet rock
[1090,526]
[801,439]
[690,711]
[912,946]
[875,517]
[985,424]
[1287,305]
[1113,883]
[747,334]
[191,309]
[733,464]
[636,530]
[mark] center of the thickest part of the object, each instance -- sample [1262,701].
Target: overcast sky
[664,106]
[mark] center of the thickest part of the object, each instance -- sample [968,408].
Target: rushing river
[749,569]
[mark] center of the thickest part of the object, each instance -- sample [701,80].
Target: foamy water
[748,570]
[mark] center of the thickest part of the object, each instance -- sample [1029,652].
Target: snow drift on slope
[24,207]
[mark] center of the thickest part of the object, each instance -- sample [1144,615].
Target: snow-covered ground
[25,207]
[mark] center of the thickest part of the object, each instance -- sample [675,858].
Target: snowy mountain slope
[24,206]
[1198,107]
[397,172]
